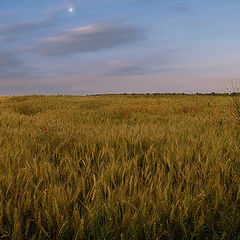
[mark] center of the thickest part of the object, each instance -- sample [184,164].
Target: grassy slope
[94,174]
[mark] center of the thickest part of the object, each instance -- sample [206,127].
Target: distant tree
[235,94]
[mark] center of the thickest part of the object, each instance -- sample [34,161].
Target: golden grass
[119,167]
[4,97]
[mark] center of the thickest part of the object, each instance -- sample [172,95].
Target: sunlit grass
[119,167]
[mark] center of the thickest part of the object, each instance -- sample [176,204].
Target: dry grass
[119,167]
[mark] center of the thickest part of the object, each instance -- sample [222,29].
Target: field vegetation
[119,167]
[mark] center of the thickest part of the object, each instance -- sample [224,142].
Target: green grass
[171,170]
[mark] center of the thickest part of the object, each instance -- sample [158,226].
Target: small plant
[26,109]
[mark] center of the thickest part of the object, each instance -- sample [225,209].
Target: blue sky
[116,46]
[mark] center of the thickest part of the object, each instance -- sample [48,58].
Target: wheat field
[119,167]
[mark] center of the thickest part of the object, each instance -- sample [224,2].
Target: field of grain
[119,167]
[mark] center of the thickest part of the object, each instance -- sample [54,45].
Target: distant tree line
[201,94]
[187,94]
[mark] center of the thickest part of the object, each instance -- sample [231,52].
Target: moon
[70,9]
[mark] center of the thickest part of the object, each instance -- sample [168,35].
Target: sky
[86,47]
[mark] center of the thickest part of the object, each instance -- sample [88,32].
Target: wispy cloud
[8,13]
[90,38]
[182,8]
[8,60]
[132,68]
[19,30]
[9,64]
[12,66]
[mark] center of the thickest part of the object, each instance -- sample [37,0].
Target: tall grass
[119,167]
[234,92]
